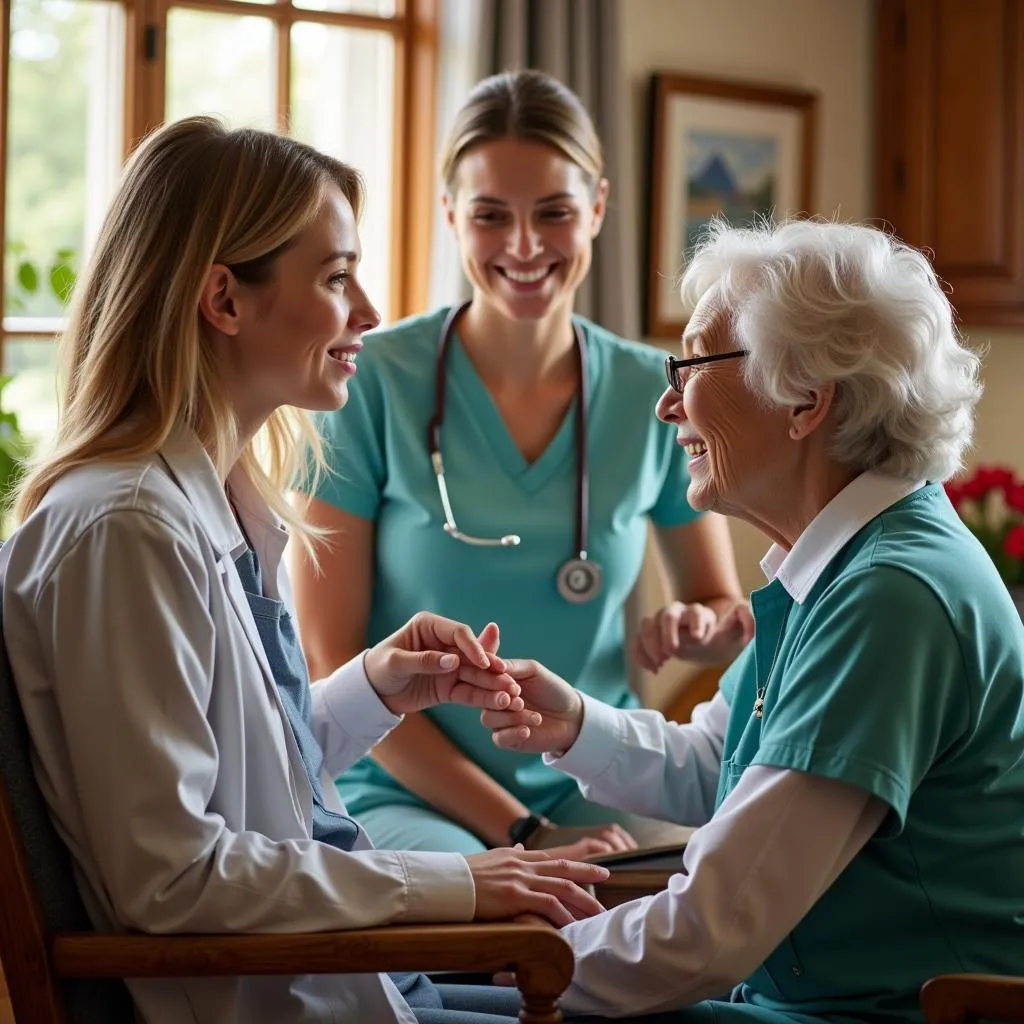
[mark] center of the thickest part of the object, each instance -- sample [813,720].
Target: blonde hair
[526,105]
[134,365]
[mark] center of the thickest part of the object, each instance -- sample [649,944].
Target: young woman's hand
[693,632]
[433,660]
[549,719]
[512,882]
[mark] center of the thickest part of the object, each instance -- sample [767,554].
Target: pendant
[759,707]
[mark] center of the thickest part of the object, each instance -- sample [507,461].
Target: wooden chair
[61,971]
[966,998]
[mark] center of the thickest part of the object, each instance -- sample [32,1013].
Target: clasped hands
[433,660]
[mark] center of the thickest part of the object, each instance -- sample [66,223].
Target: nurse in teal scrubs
[861,771]
[525,196]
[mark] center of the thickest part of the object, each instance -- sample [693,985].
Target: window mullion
[5,78]
[145,68]
[284,72]
[399,177]
[414,185]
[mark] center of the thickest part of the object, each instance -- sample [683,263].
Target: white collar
[846,514]
[192,467]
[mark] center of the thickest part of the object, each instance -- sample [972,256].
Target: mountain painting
[731,174]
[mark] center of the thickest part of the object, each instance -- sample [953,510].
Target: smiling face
[525,218]
[735,441]
[293,340]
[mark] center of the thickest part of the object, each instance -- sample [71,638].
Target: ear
[218,301]
[448,202]
[805,419]
[600,205]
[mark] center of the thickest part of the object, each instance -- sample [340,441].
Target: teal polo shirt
[902,673]
[377,448]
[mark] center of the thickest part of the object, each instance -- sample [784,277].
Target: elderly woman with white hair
[860,774]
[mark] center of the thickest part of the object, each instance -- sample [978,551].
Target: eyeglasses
[673,366]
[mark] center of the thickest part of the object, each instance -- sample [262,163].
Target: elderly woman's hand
[693,632]
[548,717]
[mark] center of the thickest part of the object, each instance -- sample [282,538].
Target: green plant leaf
[16,248]
[9,425]
[62,281]
[28,276]
[64,255]
[10,469]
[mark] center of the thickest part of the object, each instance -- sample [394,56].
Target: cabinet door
[950,132]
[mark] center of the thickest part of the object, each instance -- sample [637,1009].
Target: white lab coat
[163,750]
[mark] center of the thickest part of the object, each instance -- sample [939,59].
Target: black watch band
[523,828]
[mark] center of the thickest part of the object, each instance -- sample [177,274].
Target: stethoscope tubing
[434,442]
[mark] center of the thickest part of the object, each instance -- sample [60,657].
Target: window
[81,80]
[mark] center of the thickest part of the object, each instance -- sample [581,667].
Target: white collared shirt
[164,753]
[832,529]
[758,864]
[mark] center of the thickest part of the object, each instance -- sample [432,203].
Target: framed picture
[719,148]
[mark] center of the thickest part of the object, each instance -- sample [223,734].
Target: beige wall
[826,46]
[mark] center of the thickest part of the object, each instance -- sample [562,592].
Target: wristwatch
[523,829]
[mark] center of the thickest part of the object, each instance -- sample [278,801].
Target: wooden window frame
[414,28]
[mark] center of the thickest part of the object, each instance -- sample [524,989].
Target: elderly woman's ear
[805,419]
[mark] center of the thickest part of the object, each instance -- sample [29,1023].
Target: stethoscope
[579,579]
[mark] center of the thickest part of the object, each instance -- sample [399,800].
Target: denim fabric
[284,653]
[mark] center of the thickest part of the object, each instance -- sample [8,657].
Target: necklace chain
[761,690]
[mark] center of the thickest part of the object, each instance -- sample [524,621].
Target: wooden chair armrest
[624,885]
[541,958]
[958,998]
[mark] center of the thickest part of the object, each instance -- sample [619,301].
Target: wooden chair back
[37,889]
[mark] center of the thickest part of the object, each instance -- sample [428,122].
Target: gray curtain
[577,41]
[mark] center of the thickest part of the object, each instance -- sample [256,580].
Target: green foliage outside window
[30,279]
[14,449]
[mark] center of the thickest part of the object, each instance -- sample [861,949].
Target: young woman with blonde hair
[183,756]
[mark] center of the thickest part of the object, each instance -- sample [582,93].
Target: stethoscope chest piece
[579,580]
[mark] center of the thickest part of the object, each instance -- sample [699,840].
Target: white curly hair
[816,302]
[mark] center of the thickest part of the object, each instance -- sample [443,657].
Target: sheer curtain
[577,42]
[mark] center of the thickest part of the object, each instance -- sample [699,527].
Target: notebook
[661,849]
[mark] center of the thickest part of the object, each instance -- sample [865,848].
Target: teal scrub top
[377,448]
[903,674]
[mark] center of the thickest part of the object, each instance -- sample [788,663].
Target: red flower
[990,477]
[983,480]
[1015,497]
[1013,544]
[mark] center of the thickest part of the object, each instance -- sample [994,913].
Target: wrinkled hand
[549,720]
[432,660]
[693,632]
[578,842]
[512,882]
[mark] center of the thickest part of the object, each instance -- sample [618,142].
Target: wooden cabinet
[950,145]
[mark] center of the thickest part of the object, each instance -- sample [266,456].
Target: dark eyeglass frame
[674,365]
